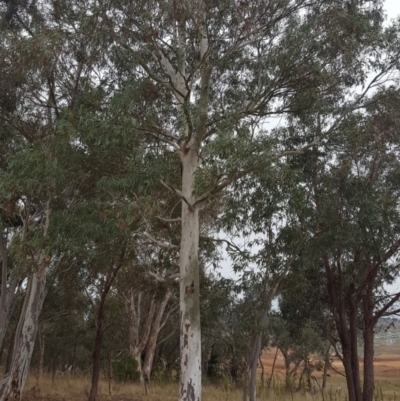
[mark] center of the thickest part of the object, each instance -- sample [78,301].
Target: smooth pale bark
[245,386]
[138,338]
[152,340]
[262,323]
[41,357]
[6,311]
[188,142]
[13,383]
[6,296]
[253,368]
[190,331]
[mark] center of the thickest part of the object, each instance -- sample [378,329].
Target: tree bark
[273,369]
[245,389]
[253,368]
[190,332]
[152,341]
[346,326]
[6,297]
[288,384]
[368,387]
[307,371]
[326,366]
[41,357]
[97,348]
[355,367]
[100,321]
[138,339]
[13,383]
[110,374]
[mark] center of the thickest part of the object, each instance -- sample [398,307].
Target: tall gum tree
[49,67]
[210,74]
[350,194]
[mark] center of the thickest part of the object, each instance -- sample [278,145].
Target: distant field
[387,361]
[383,348]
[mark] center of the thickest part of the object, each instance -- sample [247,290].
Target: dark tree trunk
[326,366]
[346,325]
[355,366]
[273,368]
[100,321]
[368,334]
[97,350]
[307,371]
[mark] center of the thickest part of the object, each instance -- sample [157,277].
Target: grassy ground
[67,388]
[387,385]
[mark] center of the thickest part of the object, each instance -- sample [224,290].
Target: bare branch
[162,138]
[163,279]
[230,244]
[221,185]
[385,308]
[161,244]
[172,189]
[177,220]
[179,193]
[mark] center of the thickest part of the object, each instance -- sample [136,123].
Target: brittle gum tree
[50,57]
[205,76]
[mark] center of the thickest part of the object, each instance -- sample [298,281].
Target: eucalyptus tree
[211,72]
[304,311]
[258,212]
[66,339]
[27,197]
[349,200]
[148,298]
[55,58]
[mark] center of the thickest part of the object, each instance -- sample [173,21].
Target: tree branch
[177,220]
[230,244]
[299,151]
[161,244]
[162,279]
[179,193]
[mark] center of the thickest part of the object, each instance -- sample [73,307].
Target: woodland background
[136,158]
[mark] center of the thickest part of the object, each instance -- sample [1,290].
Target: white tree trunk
[190,332]
[253,367]
[152,341]
[6,309]
[6,297]
[137,338]
[12,385]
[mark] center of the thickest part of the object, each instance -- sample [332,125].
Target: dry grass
[67,388]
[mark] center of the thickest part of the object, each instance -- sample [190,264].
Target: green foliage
[126,369]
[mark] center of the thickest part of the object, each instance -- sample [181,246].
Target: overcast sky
[392,8]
